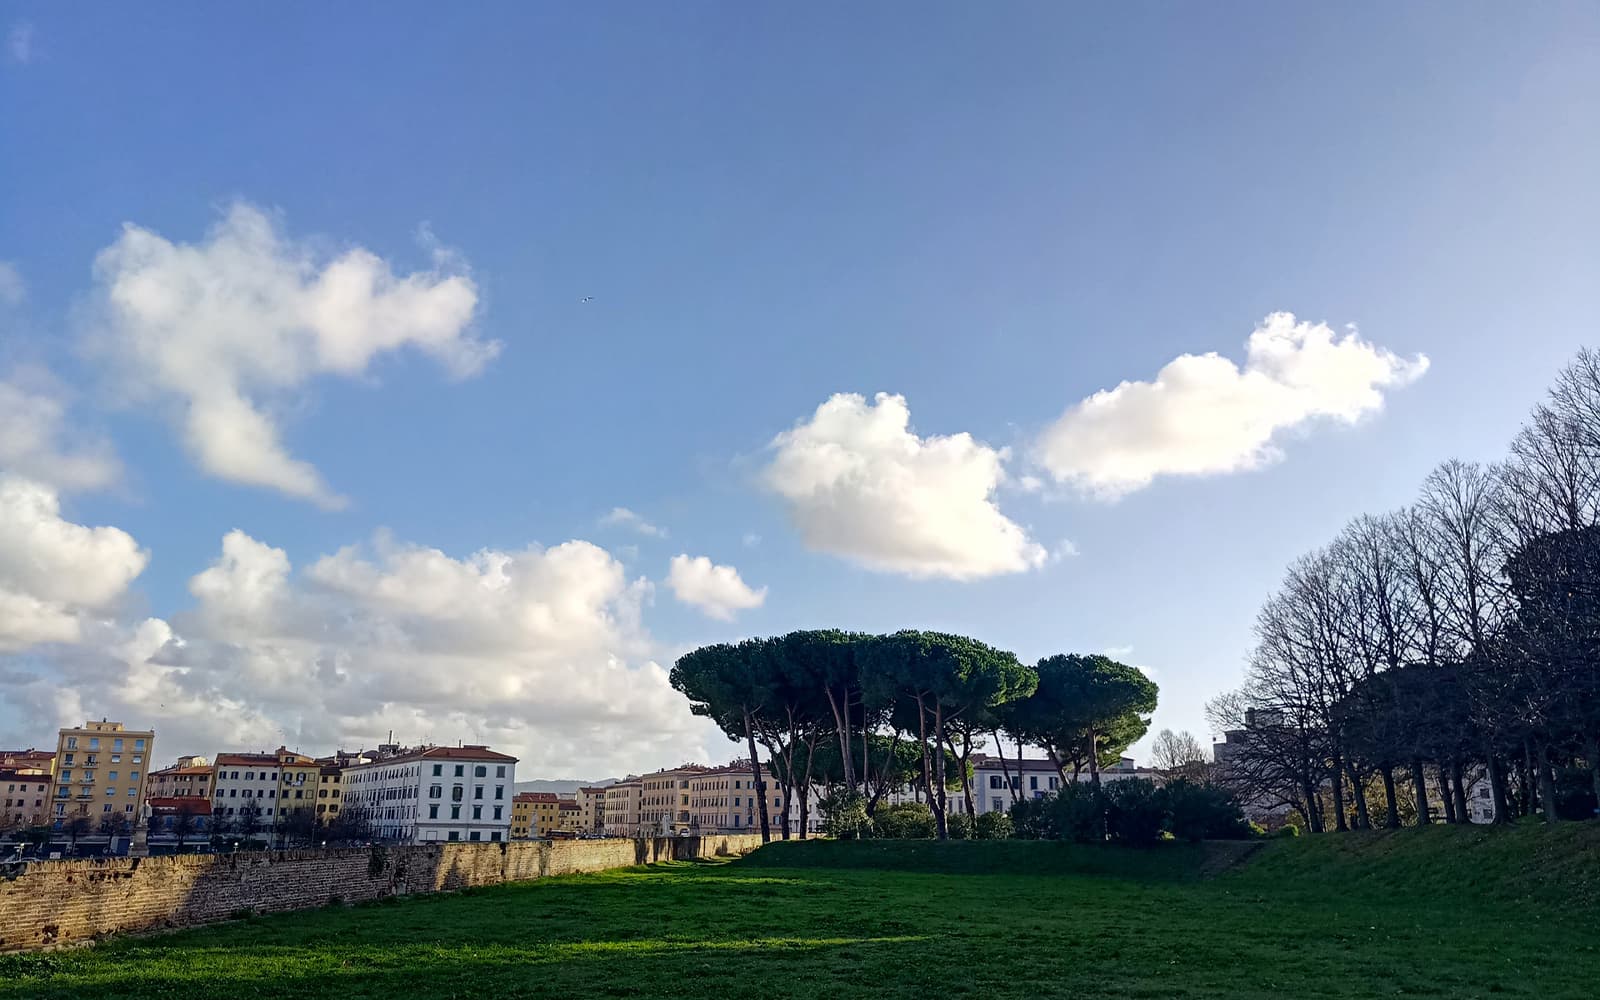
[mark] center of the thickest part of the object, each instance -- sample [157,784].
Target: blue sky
[688,226]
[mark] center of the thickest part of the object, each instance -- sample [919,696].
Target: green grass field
[1418,913]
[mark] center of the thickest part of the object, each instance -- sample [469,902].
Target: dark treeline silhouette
[863,715]
[1445,649]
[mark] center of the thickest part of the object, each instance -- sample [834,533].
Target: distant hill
[561,786]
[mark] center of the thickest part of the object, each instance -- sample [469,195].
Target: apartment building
[431,794]
[24,797]
[592,803]
[622,808]
[28,760]
[664,800]
[267,785]
[184,779]
[996,784]
[569,818]
[101,768]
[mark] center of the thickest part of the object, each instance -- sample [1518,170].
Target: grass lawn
[1417,913]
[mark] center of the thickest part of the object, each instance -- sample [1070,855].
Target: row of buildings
[98,786]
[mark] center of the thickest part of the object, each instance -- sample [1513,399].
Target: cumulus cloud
[539,651]
[37,442]
[859,483]
[716,590]
[1203,414]
[227,327]
[54,574]
[12,288]
[628,519]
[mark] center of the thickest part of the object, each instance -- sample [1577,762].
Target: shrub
[1135,812]
[1287,830]
[993,826]
[845,816]
[906,821]
[1202,812]
[1030,819]
[1077,812]
[959,825]
[1574,793]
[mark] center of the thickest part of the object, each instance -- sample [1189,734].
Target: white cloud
[37,442]
[228,327]
[12,288]
[1203,414]
[54,573]
[628,519]
[860,484]
[716,590]
[19,43]
[751,540]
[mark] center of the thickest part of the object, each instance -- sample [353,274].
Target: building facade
[181,781]
[24,798]
[101,768]
[592,803]
[622,808]
[664,799]
[254,793]
[434,794]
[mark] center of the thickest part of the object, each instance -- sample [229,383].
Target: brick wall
[48,903]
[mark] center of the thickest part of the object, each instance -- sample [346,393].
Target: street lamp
[236,847]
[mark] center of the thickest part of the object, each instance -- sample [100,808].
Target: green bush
[959,826]
[1202,812]
[1287,830]
[906,821]
[994,826]
[1136,812]
[1031,819]
[1077,812]
[845,816]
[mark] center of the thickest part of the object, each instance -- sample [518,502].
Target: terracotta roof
[198,805]
[476,754]
[536,797]
[568,805]
[175,769]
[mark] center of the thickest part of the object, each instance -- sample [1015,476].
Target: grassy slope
[1441,912]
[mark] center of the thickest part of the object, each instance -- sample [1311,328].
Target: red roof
[195,805]
[250,759]
[536,797]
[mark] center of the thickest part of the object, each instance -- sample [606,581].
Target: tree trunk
[966,774]
[1497,785]
[1391,802]
[941,822]
[922,738]
[1419,782]
[841,724]
[760,783]
[1530,780]
[1458,790]
[1451,815]
[1547,786]
[1005,766]
[1339,823]
[1358,790]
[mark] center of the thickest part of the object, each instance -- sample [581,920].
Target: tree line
[1453,642]
[863,715]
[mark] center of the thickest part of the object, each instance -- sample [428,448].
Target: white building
[259,780]
[434,794]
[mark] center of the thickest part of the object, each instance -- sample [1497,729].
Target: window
[499,791]
[138,744]
[434,791]
[66,775]
[475,835]
[480,771]
[116,744]
[457,793]
[72,744]
[249,776]
[433,812]
[94,743]
[500,772]
[112,775]
[116,758]
[477,791]
[477,812]
[455,835]
[1055,783]
[455,812]
[994,803]
[459,770]
[994,781]
[1033,782]
[497,811]
[495,835]
[438,769]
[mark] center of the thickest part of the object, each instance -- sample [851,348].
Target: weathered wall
[58,902]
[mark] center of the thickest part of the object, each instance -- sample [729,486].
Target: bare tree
[1180,755]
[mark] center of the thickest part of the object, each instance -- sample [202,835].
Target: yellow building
[101,769]
[664,801]
[569,816]
[299,777]
[181,780]
[522,816]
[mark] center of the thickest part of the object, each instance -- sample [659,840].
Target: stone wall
[47,903]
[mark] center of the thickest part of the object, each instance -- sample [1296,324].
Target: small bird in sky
[587,298]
